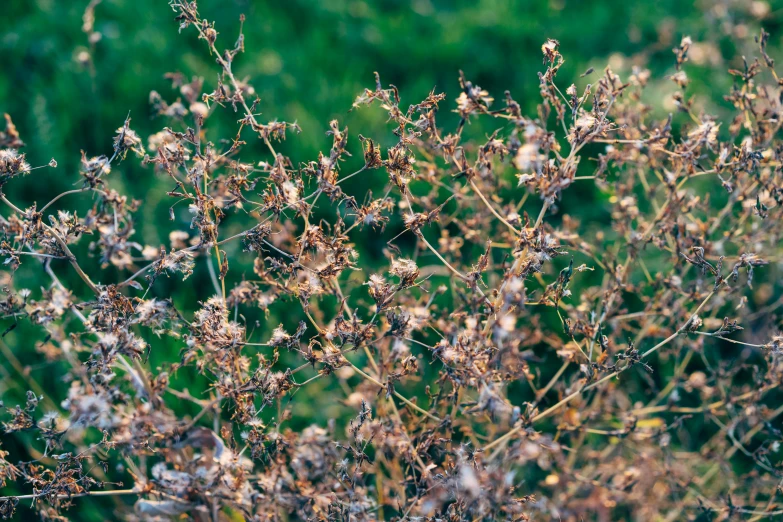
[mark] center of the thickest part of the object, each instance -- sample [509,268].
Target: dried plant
[436,352]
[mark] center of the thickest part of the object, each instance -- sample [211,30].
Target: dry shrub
[431,372]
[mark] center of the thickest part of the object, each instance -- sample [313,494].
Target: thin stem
[546,413]
[79,495]
[349,176]
[448,265]
[729,340]
[517,262]
[13,207]
[492,209]
[396,394]
[63,245]
[74,263]
[543,391]
[75,191]
[38,254]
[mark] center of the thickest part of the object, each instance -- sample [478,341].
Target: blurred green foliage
[307,61]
